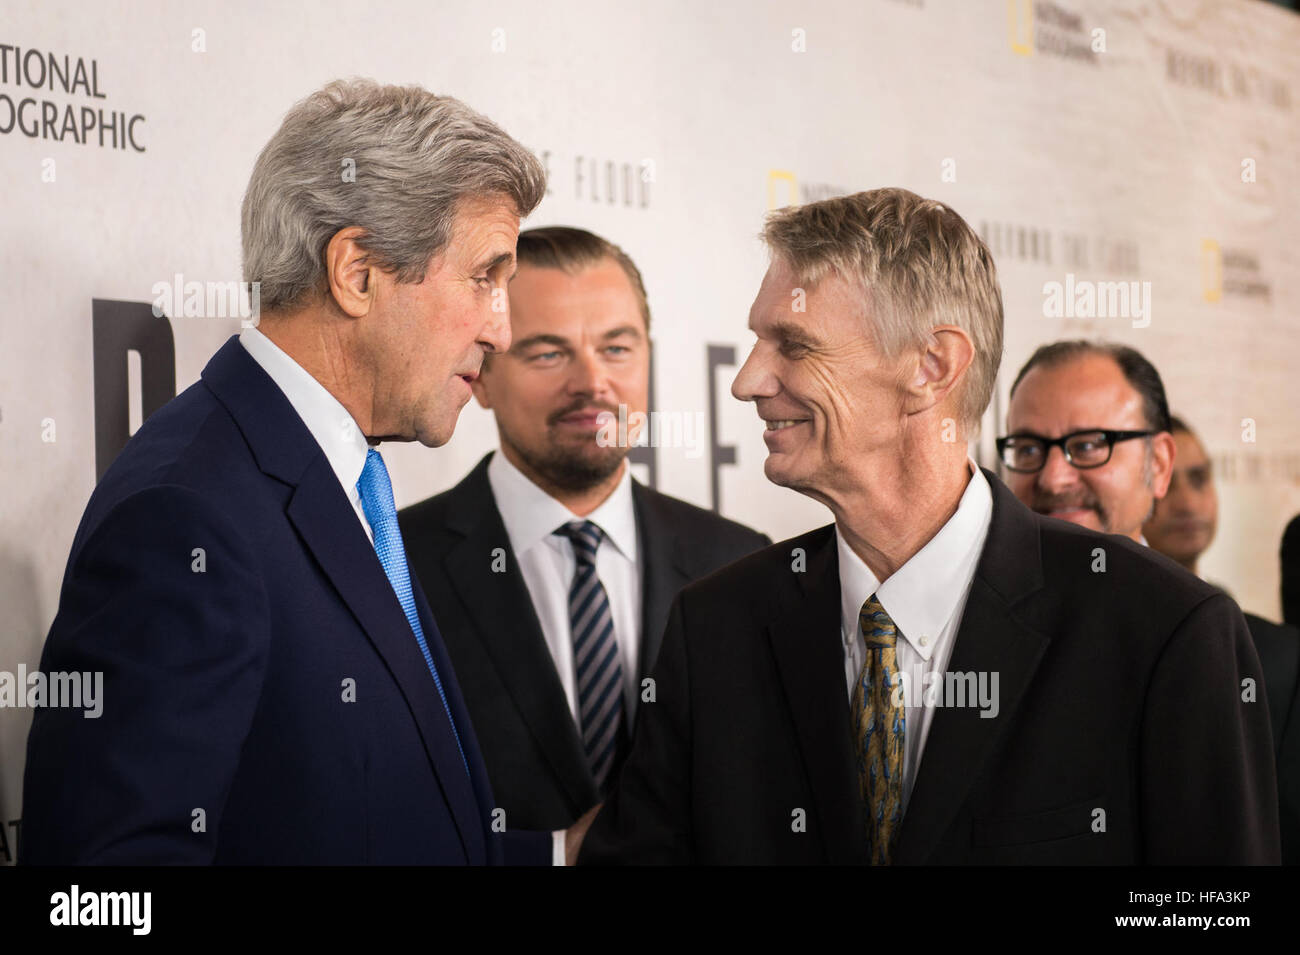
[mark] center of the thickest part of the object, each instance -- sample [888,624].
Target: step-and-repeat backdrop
[1147,152]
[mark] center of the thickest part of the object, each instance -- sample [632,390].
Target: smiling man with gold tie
[941,676]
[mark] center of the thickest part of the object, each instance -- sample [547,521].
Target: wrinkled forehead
[786,300]
[485,229]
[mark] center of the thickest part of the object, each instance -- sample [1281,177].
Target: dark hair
[1139,373]
[572,250]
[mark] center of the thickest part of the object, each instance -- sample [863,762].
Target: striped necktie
[596,659]
[377,501]
[878,725]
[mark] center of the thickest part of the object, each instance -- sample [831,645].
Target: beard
[1044,502]
[574,467]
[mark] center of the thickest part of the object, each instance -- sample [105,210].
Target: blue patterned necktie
[879,730]
[595,654]
[377,501]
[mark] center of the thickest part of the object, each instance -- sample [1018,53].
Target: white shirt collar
[921,595]
[531,515]
[325,417]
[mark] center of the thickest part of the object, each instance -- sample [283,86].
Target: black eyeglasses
[1027,453]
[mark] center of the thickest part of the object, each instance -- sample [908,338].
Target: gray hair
[917,265]
[396,161]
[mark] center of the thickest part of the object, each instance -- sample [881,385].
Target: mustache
[582,404]
[1044,501]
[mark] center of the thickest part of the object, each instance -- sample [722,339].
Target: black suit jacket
[1120,704]
[521,716]
[1278,646]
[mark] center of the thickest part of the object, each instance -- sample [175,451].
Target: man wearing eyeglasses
[1090,440]
[1088,436]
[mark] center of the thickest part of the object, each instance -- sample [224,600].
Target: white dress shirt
[328,421]
[547,563]
[925,598]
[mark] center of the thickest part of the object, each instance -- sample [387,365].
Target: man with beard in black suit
[549,567]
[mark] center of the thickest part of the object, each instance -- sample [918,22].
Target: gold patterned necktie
[879,725]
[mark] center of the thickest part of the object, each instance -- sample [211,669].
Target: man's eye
[483,281]
[544,356]
[618,349]
[793,349]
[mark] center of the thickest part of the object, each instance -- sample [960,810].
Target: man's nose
[1057,473]
[496,333]
[754,380]
[587,374]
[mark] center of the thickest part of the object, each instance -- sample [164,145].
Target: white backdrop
[1163,149]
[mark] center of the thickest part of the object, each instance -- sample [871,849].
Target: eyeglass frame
[1112,438]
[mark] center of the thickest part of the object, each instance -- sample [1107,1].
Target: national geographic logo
[609,182]
[1052,30]
[1077,251]
[784,189]
[1231,272]
[45,72]
[1225,79]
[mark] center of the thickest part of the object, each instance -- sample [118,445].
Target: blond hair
[918,265]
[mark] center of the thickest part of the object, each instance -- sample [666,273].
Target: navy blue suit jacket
[264,698]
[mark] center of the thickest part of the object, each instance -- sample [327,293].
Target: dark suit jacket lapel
[664,571]
[990,639]
[805,638]
[460,714]
[319,509]
[507,625]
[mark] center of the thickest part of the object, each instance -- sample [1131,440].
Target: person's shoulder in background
[718,537]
